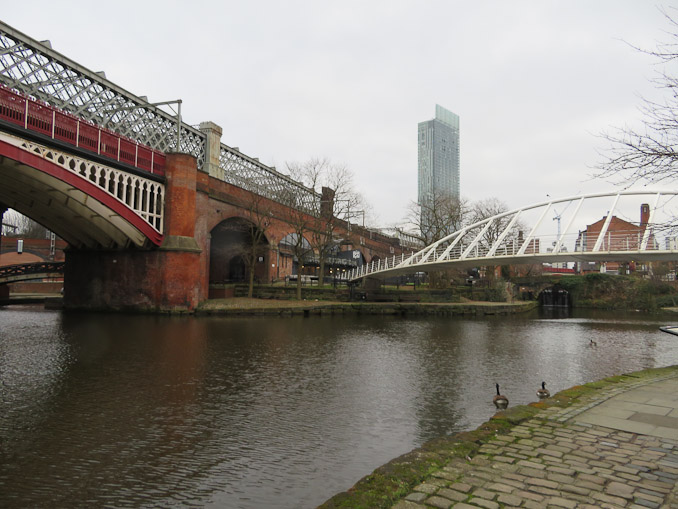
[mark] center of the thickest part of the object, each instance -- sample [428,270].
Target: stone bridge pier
[169,278]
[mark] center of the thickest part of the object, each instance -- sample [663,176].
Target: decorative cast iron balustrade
[142,195]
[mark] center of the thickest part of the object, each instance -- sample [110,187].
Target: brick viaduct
[176,276]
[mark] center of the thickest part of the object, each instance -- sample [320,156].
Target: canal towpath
[610,444]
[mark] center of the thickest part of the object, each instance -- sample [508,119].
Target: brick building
[621,235]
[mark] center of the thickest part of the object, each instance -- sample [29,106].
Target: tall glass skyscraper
[439,156]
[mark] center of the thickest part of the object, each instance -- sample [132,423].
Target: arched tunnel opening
[555,297]
[231,249]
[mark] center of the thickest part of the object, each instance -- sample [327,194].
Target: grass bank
[604,291]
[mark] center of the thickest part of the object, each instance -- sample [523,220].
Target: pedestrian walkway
[617,448]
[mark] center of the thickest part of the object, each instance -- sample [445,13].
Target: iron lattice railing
[35,69]
[248,173]
[49,121]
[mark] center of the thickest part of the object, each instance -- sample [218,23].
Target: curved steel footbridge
[626,226]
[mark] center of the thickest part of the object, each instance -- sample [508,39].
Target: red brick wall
[158,280]
[176,280]
[36,287]
[39,248]
[221,201]
[180,196]
[131,280]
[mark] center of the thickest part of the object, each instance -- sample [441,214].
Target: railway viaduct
[153,210]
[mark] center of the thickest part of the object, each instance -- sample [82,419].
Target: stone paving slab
[643,410]
[618,449]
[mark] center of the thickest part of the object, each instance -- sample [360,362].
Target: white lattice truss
[32,67]
[145,197]
[523,236]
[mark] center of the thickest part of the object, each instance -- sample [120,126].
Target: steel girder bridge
[36,70]
[31,271]
[626,227]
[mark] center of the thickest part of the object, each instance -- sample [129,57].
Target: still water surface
[130,411]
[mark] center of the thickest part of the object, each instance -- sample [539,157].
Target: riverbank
[612,443]
[247,306]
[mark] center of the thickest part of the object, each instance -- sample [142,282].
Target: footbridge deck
[628,226]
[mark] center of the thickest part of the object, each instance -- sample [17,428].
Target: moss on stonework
[390,482]
[516,414]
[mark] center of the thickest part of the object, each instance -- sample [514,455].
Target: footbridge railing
[627,226]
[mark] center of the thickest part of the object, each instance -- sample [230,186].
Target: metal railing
[502,239]
[42,118]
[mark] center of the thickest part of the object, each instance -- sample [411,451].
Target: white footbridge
[628,226]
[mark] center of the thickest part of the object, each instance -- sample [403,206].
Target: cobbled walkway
[560,459]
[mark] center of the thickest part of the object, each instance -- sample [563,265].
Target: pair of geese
[501,401]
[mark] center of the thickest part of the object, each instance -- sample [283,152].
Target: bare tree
[297,242]
[488,208]
[338,204]
[259,214]
[649,155]
[300,221]
[438,217]
[434,219]
[18,225]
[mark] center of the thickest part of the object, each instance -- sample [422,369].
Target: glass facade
[438,142]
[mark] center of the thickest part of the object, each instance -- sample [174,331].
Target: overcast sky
[534,82]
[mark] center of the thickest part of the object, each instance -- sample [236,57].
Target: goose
[543,393]
[592,343]
[501,402]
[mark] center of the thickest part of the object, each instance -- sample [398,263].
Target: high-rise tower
[439,157]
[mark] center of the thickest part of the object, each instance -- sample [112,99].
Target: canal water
[156,411]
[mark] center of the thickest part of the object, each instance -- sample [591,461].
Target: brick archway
[230,245]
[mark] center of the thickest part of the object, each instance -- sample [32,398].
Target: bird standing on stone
[500,401]
[543,393]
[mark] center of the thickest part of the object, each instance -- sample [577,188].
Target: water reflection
[239,412]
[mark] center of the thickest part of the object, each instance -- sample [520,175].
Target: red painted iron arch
[20,169]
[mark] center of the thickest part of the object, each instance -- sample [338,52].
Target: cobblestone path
[572,458]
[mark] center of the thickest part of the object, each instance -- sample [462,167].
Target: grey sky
[534,82]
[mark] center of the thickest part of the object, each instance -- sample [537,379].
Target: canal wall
[533,456]
[482,293]
[304,308]
[603,291]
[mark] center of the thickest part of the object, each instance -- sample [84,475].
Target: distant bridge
[599,227]
[30,271]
